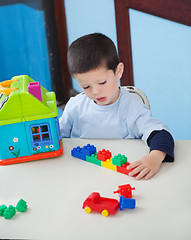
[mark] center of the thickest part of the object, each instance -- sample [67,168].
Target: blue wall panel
[161,62]
[23,45]
[89,16]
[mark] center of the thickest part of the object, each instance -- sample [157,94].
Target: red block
[103,155]
[123,169]
[125,190]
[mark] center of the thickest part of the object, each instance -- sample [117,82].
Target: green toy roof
[21,105]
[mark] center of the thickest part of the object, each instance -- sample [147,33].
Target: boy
[105,110]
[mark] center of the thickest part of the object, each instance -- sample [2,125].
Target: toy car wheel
[105,213]
[88,210]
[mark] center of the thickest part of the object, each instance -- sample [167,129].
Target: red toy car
[97,203]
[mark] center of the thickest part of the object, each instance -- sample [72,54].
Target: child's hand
[148,166]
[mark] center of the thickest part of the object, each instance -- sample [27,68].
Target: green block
[2,209]
[21,206]
[119,160]
[93,159]
[9,212]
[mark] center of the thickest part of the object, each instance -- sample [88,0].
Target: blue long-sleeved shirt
[126,118]
[162,140]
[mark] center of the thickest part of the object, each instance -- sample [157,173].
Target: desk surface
[56,188]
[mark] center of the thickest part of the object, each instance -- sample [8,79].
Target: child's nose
[96,90]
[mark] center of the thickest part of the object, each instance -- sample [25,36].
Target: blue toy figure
[127,203]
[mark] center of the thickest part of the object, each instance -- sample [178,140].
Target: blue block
[77,152]
[83,152]
[126,203]
[88,150]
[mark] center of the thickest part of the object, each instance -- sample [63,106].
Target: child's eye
[101,83]
[86,87]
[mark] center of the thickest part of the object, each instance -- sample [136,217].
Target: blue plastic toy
[126,203]
[81,153]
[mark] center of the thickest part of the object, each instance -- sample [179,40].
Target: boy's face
[101,85]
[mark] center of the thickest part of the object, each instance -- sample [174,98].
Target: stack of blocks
[102,158]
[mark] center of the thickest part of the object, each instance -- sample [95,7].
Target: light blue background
[161,57]
[162,69]
[89,16]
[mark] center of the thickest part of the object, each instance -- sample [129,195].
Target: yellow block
[108,164]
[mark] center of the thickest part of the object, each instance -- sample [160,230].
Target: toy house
[29,124]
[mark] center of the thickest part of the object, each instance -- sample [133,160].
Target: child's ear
[119,70]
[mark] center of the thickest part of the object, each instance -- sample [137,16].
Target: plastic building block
[77,152]
[123,169]
[119,160]
[108,164]
[88,150]
[125,190]
[2,209]
[21,206]
[93,159]
[35,90]
[9,212]
[127,203]
[103,155]
[102,158]
[97,203]
[82,152]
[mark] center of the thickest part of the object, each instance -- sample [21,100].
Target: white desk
[56,188]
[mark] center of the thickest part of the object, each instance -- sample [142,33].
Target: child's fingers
[134,165]
[150,174]
[136,170]
[143,173]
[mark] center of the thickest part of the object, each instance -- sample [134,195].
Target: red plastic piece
[123,169]
[98,203]
[103,155]
[125,190]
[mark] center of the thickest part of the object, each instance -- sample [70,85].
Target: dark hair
[90,52]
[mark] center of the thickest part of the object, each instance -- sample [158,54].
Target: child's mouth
[101,99]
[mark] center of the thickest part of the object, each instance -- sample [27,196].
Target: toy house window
[41,134]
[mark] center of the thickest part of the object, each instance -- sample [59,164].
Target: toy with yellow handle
[4,86]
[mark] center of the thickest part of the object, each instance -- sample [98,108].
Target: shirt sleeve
[162,140]
[66,122]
